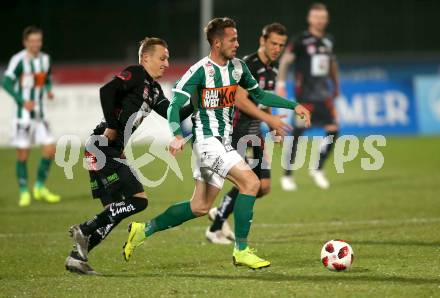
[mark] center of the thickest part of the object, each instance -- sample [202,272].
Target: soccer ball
[337,255]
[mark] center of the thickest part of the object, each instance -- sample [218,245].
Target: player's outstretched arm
[274,121]
[248,82]
[184,112]
[270,99]
[162,109]
[273,100]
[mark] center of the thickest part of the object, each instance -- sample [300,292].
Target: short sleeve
[15,68]
[190,82]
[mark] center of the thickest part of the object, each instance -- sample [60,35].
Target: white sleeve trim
[189,73]
[181,91]
[163,99]
[252,88]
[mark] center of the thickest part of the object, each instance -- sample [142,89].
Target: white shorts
[27,133]
[212,161]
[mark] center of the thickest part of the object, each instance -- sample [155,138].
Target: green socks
[175,215]
[22,175]
[243,212]
[43,171]
[181,212]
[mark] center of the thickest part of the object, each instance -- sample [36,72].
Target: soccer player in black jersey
[316,87]
[126,100]
[264,68]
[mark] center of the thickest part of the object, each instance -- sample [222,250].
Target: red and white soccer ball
[337,255]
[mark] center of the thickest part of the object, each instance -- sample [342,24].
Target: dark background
[90,31]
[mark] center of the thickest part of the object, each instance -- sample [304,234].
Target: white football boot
[319,179]
[226,228]
[288,183]
[217,237]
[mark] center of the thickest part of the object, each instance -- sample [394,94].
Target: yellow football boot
[247,257]
[136,236]
[42,193]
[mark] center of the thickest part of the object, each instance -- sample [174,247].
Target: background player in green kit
[27,79]
[214,81]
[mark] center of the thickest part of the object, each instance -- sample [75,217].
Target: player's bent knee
[22,158]
[49,151]
[200,210]
[141,202]
[22,155]
[141,195]
[264,190]
[256,184]
[251,186]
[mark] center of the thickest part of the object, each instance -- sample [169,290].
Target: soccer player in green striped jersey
[27,79]
[213,82]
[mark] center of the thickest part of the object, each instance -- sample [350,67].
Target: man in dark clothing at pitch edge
[126,100]
[316,87]
[264,68]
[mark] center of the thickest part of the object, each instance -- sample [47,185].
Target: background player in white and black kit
[316,87]
[264,68]
[126,100]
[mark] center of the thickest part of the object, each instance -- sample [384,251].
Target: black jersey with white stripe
[313,57]
[266,76]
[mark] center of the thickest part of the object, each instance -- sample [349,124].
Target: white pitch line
[263,225]
[354,222]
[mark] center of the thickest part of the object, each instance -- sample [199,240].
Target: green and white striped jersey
[214,88]
[31,77]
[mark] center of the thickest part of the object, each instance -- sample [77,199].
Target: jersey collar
[219,66]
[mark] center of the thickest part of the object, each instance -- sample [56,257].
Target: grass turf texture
[390,217]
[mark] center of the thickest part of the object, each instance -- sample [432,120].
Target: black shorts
[115,181]
[257,152]
[323,113]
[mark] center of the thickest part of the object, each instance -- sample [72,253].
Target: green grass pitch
[391,217]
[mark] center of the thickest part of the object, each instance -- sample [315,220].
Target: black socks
[327,147]
[114,214]
[225,209]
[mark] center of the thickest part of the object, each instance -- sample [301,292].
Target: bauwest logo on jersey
[222,97]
